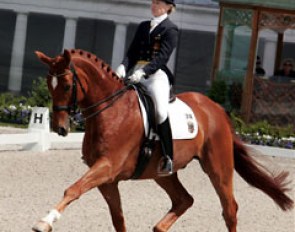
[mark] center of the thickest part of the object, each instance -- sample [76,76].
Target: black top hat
[170,2]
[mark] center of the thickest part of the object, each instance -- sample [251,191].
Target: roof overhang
[276,4]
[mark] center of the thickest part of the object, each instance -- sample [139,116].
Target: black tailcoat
[155,47]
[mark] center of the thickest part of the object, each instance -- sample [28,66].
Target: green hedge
[16,109]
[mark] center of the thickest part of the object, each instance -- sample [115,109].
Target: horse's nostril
[62,131]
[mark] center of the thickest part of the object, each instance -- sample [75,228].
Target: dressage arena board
[32,183]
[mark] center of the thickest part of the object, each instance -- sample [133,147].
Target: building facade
[103,27]
[106,28]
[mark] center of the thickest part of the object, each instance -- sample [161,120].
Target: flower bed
[263,133]
[15,115]
[267,140]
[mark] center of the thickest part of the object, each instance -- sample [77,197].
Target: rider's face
[159,8]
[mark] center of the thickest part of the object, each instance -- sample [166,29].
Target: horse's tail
[258,176]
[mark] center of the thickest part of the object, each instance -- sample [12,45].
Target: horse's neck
[100,84]
[100,80]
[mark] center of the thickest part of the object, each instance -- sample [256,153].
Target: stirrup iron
[165,167]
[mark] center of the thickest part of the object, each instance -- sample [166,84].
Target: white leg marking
[51,217]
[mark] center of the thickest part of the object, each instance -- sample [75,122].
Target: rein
[112,98]
[72,109]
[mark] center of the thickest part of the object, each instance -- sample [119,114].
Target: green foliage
[7,99]
[238,123]
[218,91]
[3,124]
[16,109]
[263,133]
[229,96]
[235,92]
[39,96]
[261,128]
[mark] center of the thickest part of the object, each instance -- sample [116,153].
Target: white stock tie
[153,24]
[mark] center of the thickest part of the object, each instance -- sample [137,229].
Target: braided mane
[97,62]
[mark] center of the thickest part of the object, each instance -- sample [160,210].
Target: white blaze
[54,82]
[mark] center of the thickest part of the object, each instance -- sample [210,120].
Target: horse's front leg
[97,175]
[111,194]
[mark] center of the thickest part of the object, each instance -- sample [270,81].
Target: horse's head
[62,85]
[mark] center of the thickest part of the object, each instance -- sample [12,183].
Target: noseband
[72,109]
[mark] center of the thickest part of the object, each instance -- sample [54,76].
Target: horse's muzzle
[62,131]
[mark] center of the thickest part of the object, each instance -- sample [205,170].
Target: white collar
[159,19]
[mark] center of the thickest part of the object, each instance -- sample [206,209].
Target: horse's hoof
[42,227]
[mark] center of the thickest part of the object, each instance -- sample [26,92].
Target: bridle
[72,109]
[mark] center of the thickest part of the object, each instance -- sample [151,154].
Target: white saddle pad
[182,119]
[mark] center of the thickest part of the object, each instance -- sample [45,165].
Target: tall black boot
[166,164]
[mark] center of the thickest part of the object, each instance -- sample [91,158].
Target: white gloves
[136,76]
[120,71]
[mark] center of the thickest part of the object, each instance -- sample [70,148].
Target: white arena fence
[39,138]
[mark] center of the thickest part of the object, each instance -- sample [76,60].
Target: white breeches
[158,88]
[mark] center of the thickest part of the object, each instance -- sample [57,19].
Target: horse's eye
[67,88]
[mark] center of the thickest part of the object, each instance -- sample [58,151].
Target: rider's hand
[136,76]
[120,71]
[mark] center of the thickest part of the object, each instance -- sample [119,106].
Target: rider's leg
[158,88]
[164,131]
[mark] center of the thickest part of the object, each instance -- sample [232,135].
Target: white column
[70,33]
[18,51]
[119,44]
[269,56]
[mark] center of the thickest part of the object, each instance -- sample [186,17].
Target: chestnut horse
[114,132]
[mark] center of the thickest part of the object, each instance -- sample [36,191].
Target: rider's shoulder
[170,24]
[145,23]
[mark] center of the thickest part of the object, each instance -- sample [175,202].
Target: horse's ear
[67,56]
[45,59]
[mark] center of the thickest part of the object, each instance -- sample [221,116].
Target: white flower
[12,107]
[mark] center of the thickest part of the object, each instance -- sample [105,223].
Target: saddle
[147,147]
[148,104]
[182,120]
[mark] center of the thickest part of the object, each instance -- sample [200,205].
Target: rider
[146,59]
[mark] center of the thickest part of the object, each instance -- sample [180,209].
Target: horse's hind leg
[181,201]
[217,162]
[111,194]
